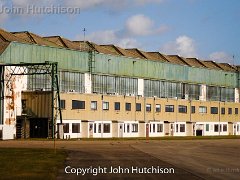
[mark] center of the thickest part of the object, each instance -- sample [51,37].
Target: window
[182,127]
[222,110]
[158,108]
[138,106]
[66,127]
[153,125]
[182,109]
[207,127]
[148,107]
[224,127]
[214,110]
[105,105]
[128,106]
[193,110]
[128,127]
[95,128]
[106,128]
[176,127]
[62,104]
[99,128]
[117,106]
[202,109]
[93,105]
[169,108]
[75,127]
[229,110]
[159,127]
[78,104]
[236,110]
[134,127]
[216,127]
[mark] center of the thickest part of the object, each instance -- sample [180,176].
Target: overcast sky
[205,29]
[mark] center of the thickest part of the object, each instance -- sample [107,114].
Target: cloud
[110,4]
[183,46]
[222,57]
[140,25]
[110,37]
[137,25]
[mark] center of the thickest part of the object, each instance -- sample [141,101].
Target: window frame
[182,109]
[128,106]
[93,105]
[214,110]
[169,108]
[117,106]
[105,105]
[78,104]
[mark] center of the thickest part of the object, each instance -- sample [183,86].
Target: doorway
[121,130]
[38,128]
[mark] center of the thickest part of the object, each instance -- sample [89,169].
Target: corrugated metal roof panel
[9,37]
[35,39]
[194,62]
[157,56]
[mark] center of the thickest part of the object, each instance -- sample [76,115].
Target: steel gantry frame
[50,68]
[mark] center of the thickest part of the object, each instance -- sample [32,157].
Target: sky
[204,29]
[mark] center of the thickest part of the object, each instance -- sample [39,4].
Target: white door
[120,130]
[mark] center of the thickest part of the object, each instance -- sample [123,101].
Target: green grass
[20,163]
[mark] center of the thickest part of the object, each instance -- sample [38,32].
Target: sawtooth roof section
[212,65]
[114,50]
[34,39]
[157,56]
[175,59]
[194,62]
[63,42]
[84,45]
[3,46]
[135,53]
[227,67]
[9,37]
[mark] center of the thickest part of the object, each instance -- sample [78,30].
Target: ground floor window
[207,127]
[216,127]
[134,127]
[75,127]
[224,127]
[66,127]
[182,127]
[106,128]
[159,127]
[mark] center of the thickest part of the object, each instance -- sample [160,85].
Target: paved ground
[191,159]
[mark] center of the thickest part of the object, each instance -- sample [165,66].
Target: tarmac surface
[190,159]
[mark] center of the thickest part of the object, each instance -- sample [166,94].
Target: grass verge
[21,163]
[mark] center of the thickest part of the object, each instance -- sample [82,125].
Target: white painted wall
[129,133]
[88,83]
[101,134]
[71,134]
[177,129]
[211,131]
[153,131]
[203,92]
[141,87]
[236,95]
[8,132]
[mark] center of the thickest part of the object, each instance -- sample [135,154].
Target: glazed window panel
[71,82]
[75,127]
[113,84]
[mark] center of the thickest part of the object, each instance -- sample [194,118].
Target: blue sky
[205,29]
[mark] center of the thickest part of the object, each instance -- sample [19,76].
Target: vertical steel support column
[53,123]
[1,93]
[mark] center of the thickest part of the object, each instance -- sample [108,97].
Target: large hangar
[108,91]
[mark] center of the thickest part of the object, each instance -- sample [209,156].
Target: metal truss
[47,68]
